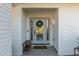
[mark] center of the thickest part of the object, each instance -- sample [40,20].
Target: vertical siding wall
[5,29]
[68,30]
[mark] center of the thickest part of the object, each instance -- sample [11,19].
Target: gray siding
[5,29]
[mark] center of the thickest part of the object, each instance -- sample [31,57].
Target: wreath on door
[39,23]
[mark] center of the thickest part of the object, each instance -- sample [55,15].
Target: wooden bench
[27,45]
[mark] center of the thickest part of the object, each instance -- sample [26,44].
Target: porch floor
[50,51]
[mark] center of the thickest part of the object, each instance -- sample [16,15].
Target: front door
[39,30]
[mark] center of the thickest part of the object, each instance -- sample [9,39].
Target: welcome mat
[40,47]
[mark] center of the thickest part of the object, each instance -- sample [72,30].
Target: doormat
[40,47]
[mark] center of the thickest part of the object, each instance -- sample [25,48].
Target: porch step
[40,42]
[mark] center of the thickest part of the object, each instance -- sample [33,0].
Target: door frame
[47,18]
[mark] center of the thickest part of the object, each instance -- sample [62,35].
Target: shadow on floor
[41,52]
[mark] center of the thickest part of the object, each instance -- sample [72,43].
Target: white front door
[39,31]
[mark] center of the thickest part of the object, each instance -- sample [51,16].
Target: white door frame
[50,33]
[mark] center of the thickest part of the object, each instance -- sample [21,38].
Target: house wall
[5,30]
[23,26]
[68,30]
[51,28]
[17,17]
[55,29]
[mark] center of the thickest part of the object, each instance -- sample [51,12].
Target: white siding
[5,29]
[68,30]
[55,30]
[17,31]
[23,27]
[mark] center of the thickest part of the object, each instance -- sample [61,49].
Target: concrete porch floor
[50,51]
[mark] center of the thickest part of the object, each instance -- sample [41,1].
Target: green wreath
[39,23]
